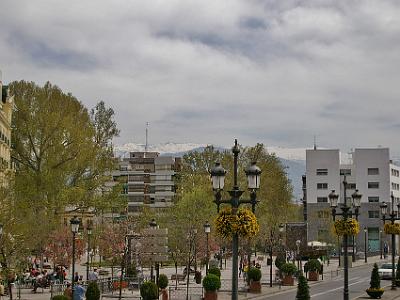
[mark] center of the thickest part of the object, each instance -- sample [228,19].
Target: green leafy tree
[62,153]
[92,291]
[303,290]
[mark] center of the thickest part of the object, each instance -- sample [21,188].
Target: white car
[385,271]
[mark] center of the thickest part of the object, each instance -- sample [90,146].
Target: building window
[373,185]
[373,199]
[345,172]
[395,186]
[395,173]
[322,186]
[322,171]
[351,186]
[373,171]
[322,199]
[373,214]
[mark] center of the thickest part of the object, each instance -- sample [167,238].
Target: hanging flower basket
[391,228]
[346,227]
[244,223]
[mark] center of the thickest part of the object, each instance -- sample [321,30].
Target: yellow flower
[346,227]
[244,223]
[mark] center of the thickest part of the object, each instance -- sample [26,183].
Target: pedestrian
[68,291]
[76,277]
[93,275]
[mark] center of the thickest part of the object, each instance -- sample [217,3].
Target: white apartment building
[370,171]
[149,179]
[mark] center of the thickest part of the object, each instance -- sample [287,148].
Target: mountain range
[294,159]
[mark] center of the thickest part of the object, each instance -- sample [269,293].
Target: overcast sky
[276,72]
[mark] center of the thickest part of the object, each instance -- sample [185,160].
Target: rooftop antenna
[315,142]
[147,139]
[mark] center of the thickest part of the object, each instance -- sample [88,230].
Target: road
[331,289]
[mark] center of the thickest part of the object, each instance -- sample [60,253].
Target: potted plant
[254,275]
[162,284]
[313,267]
[149,290]
[375,291]
[211,284]
[398,273]
[303,290]
[288,269]
[92,291]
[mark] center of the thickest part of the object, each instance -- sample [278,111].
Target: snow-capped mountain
[292,158]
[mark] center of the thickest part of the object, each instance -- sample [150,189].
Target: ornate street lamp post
[253,180]
[392,218]
[74,228]
[298,242]
[365,245]
[207,230]
[380,243]
[346,213]
[89,233]
[153,225]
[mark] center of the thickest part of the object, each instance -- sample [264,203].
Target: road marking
[335,289]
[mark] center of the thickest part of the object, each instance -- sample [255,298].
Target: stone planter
[210,295]
[374,293]
[255,287]
[288,280]
[313,276]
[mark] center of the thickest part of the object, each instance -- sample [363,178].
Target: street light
[365,245]
[153,225]
[89,233]
[207,230]
[392,218]
[380,243]
[74,228]
[298,242]
[253,180]
[333,198]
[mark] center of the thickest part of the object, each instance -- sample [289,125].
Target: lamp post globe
[356,199]
[253,176]
[384,208]
[218,176]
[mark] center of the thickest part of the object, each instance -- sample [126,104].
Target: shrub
[280,261]
[314,265]
[215,271]
[303,290]
[92,291]
[254,274]
[60,297]
[289,269]
[162,281]
[211,283]
[375,282]
[149,290]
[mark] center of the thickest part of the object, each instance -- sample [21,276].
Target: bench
[178,277]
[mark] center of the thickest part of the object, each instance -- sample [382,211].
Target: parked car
[385,271]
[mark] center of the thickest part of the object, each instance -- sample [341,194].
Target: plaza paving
[331,271]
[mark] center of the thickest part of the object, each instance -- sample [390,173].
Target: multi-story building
[6,107]
[370,171]
[149,179]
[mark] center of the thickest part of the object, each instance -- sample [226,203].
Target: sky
[277,72]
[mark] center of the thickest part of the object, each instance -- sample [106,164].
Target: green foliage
[92,291]
[63,156]
[211,283]
[59,297]
[254,274]
[303,290]
[289,269]
[149,290]
[215,271]
[314,265]
[162,281]
[375,282]
[280,261]
[213,263]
